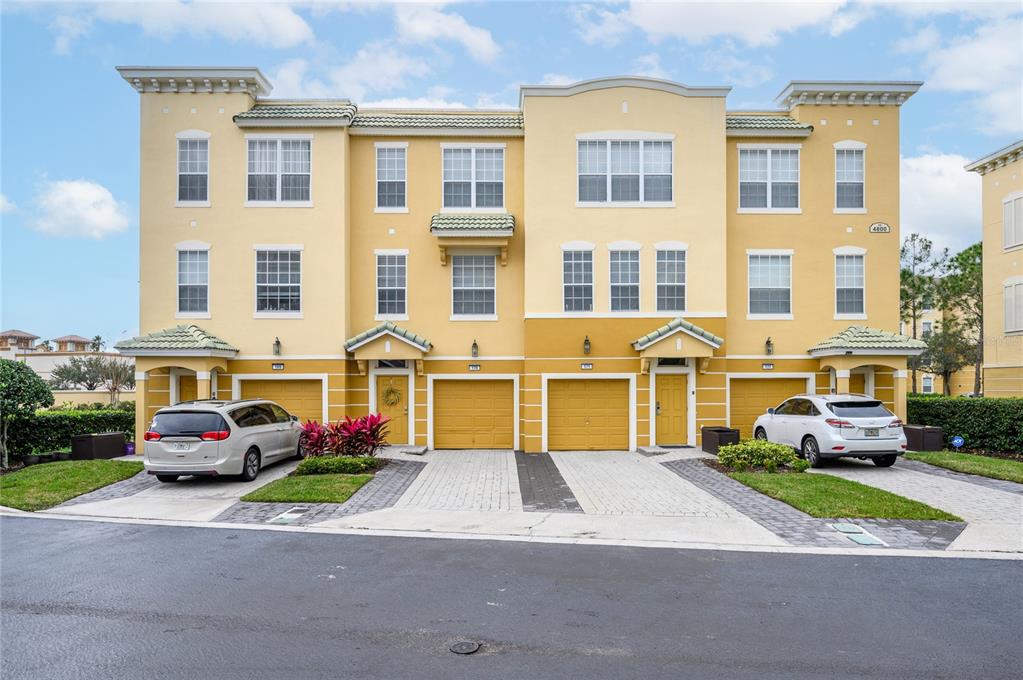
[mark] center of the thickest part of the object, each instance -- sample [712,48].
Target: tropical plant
[361,436]
[314,439]
[78,373]
[22,392]
[97,344]
[757,453]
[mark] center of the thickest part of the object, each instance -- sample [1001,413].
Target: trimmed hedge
[334,465]
[986,423]
[52,430]
[760,454]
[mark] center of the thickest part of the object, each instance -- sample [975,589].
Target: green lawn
[996,468]
[309,489]
[828,496]
[42,486]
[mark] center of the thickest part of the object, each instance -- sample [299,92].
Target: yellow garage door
[302,398]
[587,415]
[473,414]
[750,398]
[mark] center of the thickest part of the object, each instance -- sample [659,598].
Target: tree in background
[78,373]
[118,374]
[918,268]
[949,348]
[961,292]
[97,344]
[22,392]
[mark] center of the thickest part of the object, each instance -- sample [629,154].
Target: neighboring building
[14,340]
[1002,181]
[614,264]
[73,343]
[928,383]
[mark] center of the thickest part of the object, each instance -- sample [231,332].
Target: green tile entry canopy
[179,339]
[447,119]
[673,326]
[498,224]
[864,340]
[388,328]
[754,122]
[341,110]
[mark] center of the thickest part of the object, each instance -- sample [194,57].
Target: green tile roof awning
[864,340]
[498,224]
[449,119]
[179,340]
[737,125]
[316,114]
[674,326]
[388,328]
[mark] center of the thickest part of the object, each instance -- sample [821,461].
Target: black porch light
[277,347]
[586,345]
[475,349]
[769,346]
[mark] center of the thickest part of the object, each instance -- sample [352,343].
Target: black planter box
[924,437]
[716,437]
[102,445]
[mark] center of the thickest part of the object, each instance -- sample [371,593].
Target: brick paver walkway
[996,484]
[542,486]
[121,489]
[466,480]
[620,483]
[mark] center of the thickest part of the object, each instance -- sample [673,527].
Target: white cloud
[734,69]
[927,38]
[68,28]
[557,79]
[649,65]
[6,204]
[413,103]
[375,68]
[427,24]
[940,200]
[78,207]
[600,26]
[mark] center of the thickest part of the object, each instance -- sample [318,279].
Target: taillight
[895,423]
[839,424]
[215,436]
[152,436]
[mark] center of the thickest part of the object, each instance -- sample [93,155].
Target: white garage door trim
[810,386]
[409,372]
[631,377]
[513,377]
[236,384]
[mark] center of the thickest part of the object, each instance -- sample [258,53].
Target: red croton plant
[361,436]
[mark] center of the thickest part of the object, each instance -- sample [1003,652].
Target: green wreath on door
[391,396]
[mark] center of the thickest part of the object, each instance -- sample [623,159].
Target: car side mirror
[294,419]
[770,411]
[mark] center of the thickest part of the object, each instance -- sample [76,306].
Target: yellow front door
[188,389]
[392,401]
[672,420]
[587,415]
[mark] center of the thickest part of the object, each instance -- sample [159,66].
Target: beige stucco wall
[79,397]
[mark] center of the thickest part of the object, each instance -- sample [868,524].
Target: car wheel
[884,461]
[250,468]
[812,452]
[167,479]
[299,453]
[760,434]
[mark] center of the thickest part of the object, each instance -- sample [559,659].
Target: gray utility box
[101,445]
[924,437]
[714,438]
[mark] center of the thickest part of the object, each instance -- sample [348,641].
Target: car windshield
[859,409]
[187,423]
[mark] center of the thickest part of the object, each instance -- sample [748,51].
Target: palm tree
[98,343]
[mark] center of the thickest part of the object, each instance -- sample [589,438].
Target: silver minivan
[215,437]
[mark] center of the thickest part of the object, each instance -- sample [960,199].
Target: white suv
[822,426]
[215,437]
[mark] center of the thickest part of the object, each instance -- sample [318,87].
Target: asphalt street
[103,600]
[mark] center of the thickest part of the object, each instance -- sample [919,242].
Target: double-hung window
[1012,220]
[770,285]
[928,384]
[624,171]
[473,286]
[193,169]
[193,283]
[769,178]
[473,177]
[279,171]
[391,286]
[928,328]
[624,280]
[578,280]
[391,177]
[279,282]
[849,285]
[849,177]
[1013,292]
[671,280]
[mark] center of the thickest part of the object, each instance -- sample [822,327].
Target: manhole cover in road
[465,647]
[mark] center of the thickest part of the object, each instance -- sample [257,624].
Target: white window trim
[504,182]
[1015,284]
[924,387]
[376,284]
[472,317]
[256,314]
[625,136]
[666,246]
[610,286]
[584,247]
[1008,199]
[192,245]
[578,245]
[376,175]
[845,251]
[792,303]
[192,134]
[850,145]
[798,210]
[278,203]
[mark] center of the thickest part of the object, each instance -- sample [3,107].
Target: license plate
[871,432]
[183,446]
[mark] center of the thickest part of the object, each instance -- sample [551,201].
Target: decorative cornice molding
[1007,154]
[196,79]
[846,92]
[620,81]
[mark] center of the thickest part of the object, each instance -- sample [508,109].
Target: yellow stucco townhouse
[614,264]
[1002,191]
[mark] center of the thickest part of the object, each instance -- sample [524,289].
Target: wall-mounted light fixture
[586,345]
[277,347]
[475,349]
[769,346]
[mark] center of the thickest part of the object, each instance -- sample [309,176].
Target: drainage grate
[289,516]
[856,534]
[465,647]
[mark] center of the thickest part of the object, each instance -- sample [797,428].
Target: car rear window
[187,423]
[859,409]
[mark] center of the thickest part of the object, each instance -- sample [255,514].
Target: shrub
[756,453]
[53,430]
[362,436]
[335,465]
[986,423]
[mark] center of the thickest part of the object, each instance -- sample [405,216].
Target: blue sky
[69,124]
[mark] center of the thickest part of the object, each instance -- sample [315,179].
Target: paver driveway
[466,480]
